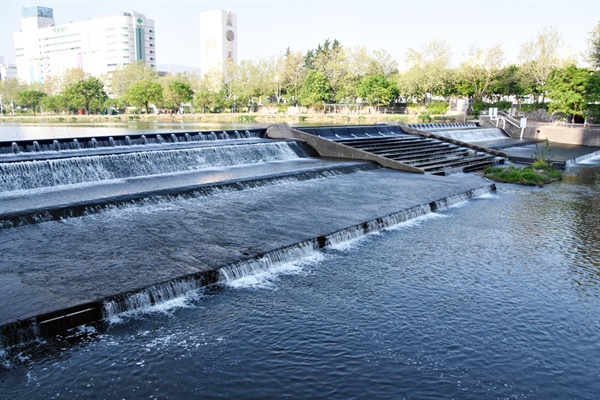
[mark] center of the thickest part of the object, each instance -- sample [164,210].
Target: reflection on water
[13,131]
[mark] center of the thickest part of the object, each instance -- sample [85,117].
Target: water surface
[496,298]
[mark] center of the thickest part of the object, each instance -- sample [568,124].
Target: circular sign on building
[230,35]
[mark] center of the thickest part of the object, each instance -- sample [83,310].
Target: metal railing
[513,123]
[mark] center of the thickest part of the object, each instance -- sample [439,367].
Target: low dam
[279,262]
[54,183]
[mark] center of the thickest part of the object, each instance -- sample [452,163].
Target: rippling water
[496,298]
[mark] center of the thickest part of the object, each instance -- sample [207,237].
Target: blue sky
[267,28]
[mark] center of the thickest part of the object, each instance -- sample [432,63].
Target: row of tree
[331,73]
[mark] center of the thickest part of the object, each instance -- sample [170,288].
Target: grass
[530,175]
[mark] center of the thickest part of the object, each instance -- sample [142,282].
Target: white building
[7,71]
[97,46]
[218,40]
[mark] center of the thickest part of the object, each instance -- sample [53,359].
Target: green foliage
[316,90]
[594,47]
[424,118]
[571,89]
[54,103]
[533,107]
[541,155]
[247,118]
[30,99]
[376,90]
[88,95]
[509,82]
[437,107]
[142,93]
[122,78]
[177,93]
[523,176]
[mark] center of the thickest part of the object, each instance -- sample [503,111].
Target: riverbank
[259,118]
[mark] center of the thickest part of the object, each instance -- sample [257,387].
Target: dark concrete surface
[60,265]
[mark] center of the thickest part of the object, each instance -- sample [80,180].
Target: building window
[151,38]
[151,58]
[150,30]
[151,51]
[151,45]
[125,56]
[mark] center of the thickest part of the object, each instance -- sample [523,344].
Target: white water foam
[140,304]
[267,278]
[412,223]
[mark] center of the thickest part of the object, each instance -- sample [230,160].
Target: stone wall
[563,134]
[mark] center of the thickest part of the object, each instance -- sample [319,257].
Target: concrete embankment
[58,275]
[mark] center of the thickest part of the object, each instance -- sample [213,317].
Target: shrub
[424,118]
[247,118]
[437,107]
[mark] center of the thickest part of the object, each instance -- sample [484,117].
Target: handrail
[510,119]
[495,116]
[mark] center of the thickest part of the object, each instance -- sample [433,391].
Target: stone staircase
[430,154]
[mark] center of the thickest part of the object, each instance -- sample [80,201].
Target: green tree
[594,48]
[428,73]
[508,83]
[316,90]
[292,74]
[572,89]
[539,57]
[88,95]
[30,99]
[479,69]
[176,93]
[141,94]
[55,103]
[125,76]
[377,90]
[330,60]
[9,90]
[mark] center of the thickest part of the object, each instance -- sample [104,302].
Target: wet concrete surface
[56,265]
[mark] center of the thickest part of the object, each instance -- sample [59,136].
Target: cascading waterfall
[473,135]
[40,146]
[54,172]
[303,250]
[145,298]
[208,190]
[156,294]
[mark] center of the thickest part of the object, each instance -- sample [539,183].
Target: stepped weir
[94,227]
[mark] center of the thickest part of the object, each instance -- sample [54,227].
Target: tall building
[7,71]
[218,40]
[97,46]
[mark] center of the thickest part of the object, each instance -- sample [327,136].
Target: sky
[268,28]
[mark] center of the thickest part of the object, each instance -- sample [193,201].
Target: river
[498,297]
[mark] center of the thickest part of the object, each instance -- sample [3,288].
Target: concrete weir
[71,271]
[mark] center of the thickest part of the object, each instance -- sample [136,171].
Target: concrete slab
[70,264]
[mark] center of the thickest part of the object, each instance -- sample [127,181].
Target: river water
[498,297]
[16,131]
